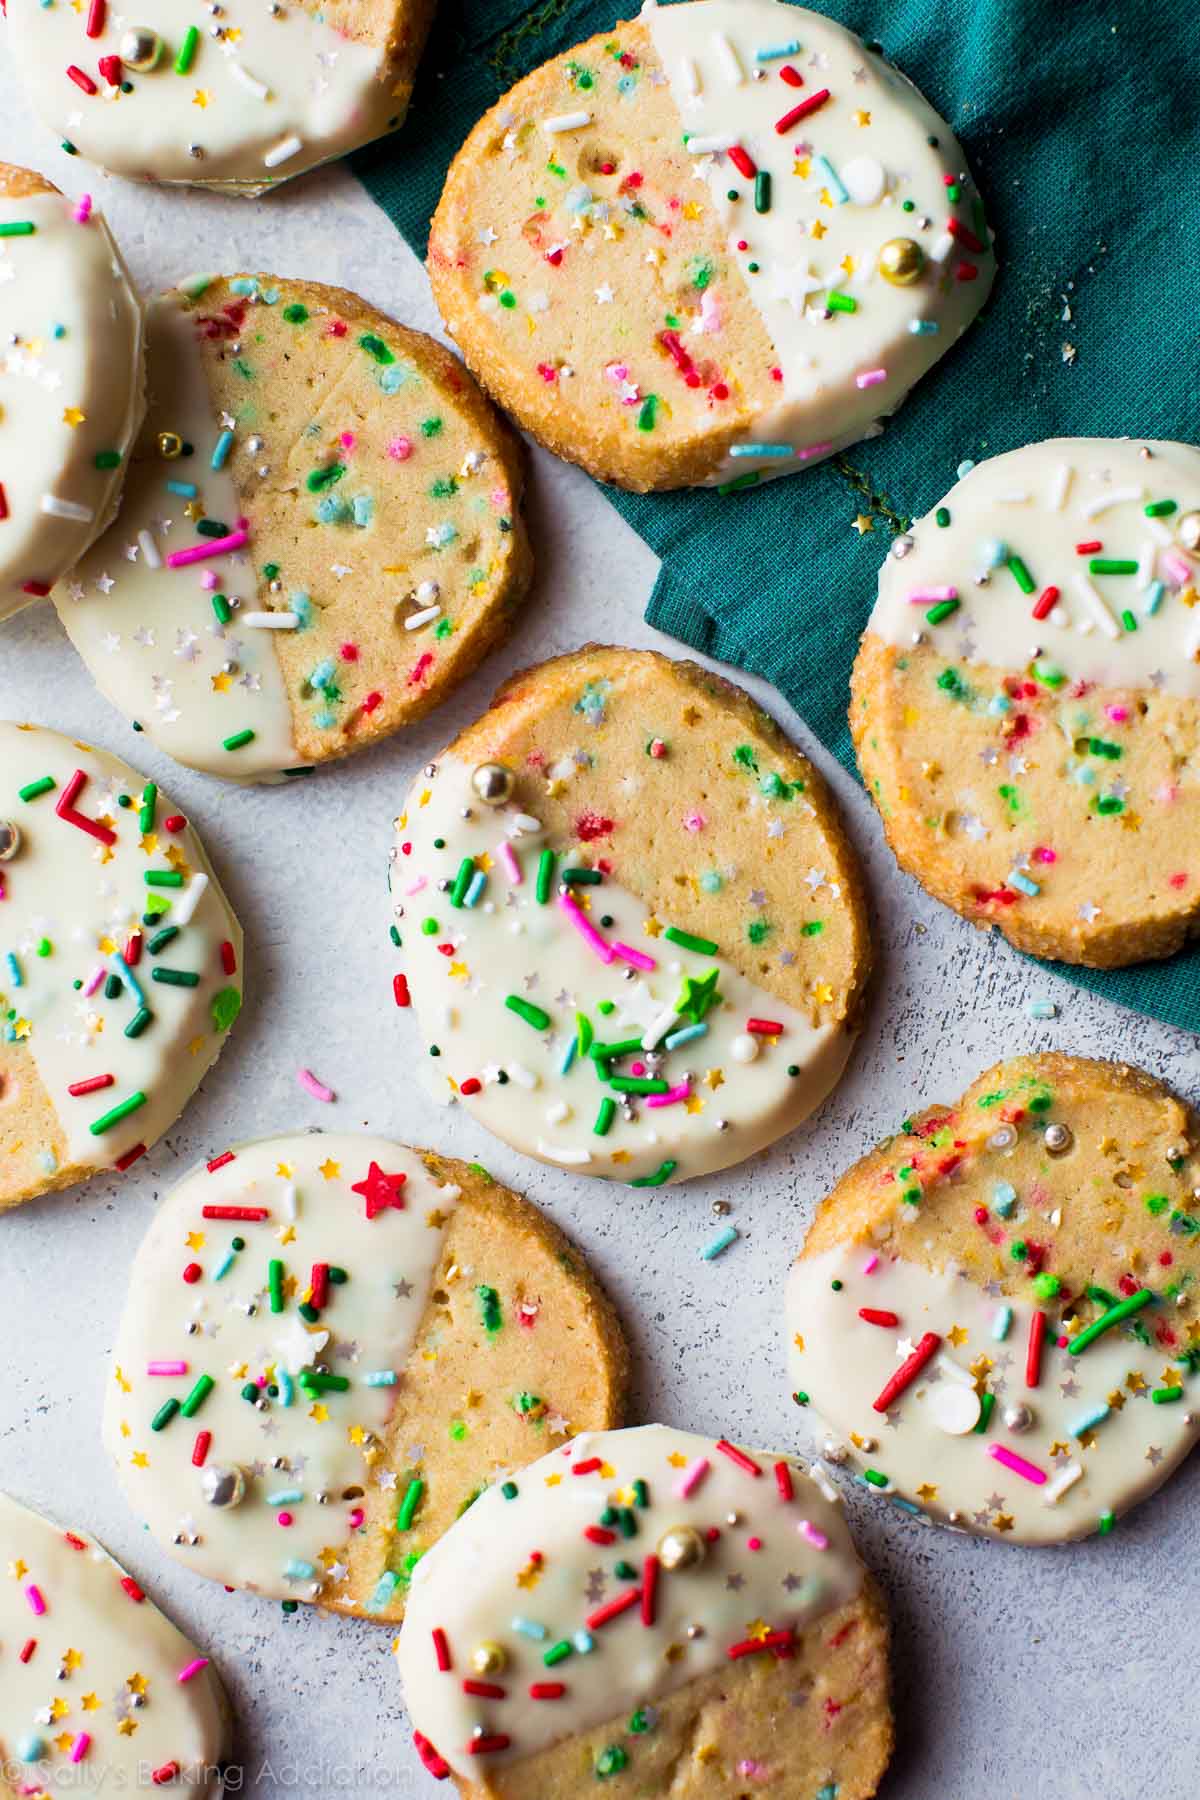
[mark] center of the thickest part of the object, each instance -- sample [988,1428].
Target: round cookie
[632,926]
[100,1691]
[1026,699]
[240,103]
[330,1345]
[321,533]
[994,1312]
[120,963]
[688,1610]
[71,382]
[715,244]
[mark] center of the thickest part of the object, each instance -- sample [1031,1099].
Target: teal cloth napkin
[1082,127]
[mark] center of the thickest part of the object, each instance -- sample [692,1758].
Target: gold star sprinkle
[1003,1521]
[127,1727]
[864,523]
[90,1703]
[140,1460]
[1116,1400]
[72,1660]
[714,1078]
[330,1169]
[201,98]
[927,1493]
[221,682]
[862,118]
[18,1568]
[817,229]
[195,1240]
[1135,1383]
[318,1413]
[651,927]
[957,1335]
[677,1460]
[72,416]
[799,1342]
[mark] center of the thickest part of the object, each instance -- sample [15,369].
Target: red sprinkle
[92,1085]
[764,1027]
[168,1772]
[89,87]
[1090,548]
[200,1448]
[877,1315]
[738,1456]
[1033,1354]
[547,1690]
[3,502]
[130,1587]
[441,1649]
[774,1640]
[612,1609]
[110,70]
[65,808]
[192,1274]
[95,18]
[27,1649]
[966,271]
[908,1371]
[743,162]
[435,1765]
[39,589]
[400,990]
[599,1534]
[176,823]
[965,235]
[218,1162]
[802,111]
[228,958]
[319,1285]
[133,949]
[485,1690]
[76,1543]
[1047,600]
[484,1746]
[783,1481]
[472,1085]
[588,1466]
[250,1215]
[792,76]
[649,1590]
[130,1157]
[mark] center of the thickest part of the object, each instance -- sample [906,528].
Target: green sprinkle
[611,1760]
[944,609]
[842,303]
[604,1117]
[557,1652]
[225,1007]
[942,516]
[1161,509]
[581,877]
[18,228]
[1106,1522]
[164,1415]
[162,878]
[176,977]
[490,1310]
[1164,1396]
[274,1278]
[1021,575]
[608,1052]
[376,348]
[664,1172]
[510,1490]
[295,314]
[545,876]
[107,459]
[410,1503]
[638,1084]
[875,1478]
[524,1009]
[34,789]
[317,480]
[647,413]
[462,881]
[138,1023]
[1124,1309]
[222,609]
[762,191]
[1128,620]
[197,1397]
[987,1404]
[686,941]
[1112,565]
[1046,1286]
[239,740]
[187,50]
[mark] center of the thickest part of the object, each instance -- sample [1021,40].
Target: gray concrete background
[1018,1672]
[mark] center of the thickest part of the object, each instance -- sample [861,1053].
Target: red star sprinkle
[380,1190]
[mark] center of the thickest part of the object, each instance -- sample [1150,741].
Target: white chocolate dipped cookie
[994,1314]
[239,97]
[99,1691]
[1026,699]
[654,1605]
[330,1345]
[715,244]
[633,930]
[321,534]
[120,963]
[71,382]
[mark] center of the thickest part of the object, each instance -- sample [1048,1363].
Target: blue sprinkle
[322,675]
[999,704]
[304,1571]
[1152,599]
[364,509]
[584,1642]
[1023,884]
[833,178]
[187,489]
[1042,1009]
[221,449]
[14,970]
[380,1378]
[126,973]
[285,1496]
[721,1242]
[529,1628]
[992,552]
[762,450]
[1002,1323]
[331,510]
[385,1587]
[776,52]
[302,606]
[926,328]
[1095,1415]
[287,1391]
[1004,1199]
[684,1035]
[475,890]
[245,284]
[568,1055]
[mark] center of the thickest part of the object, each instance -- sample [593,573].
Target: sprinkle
[1096,1415]
[1091,509]
[187,50]
[1033,1353]
[183,559]
[81,81]
[92,1085]
[772,450]
[1026,1470]
[1165,1395]
[586,930]
[33,790]
[524,1009]
[1124,1309]
[1058,1483]
[190,1670]
[662,1174]
[66,509]
[762,191]
[572,121]
[512,865]
[604,1614]
[1020,574]
[816,1538]
[1096,606]
[802,111]
[283,151]
[65,808]
[1112,565]
[529,1628]
[720,1243]
[190,899]
[545,876]
[1023,884]
[636,958]
[166,1368]
[1002,1323]
[199,1394]
[833,179]
[774,52]
[691,1478]
[710,146]
[122,1111]
[686,941]
[409,1504]
[876,1316]
[908,1371]
[650,1567]
[744,1462]
[37,1604]
[246,1215]
[870,378]
[164,1415]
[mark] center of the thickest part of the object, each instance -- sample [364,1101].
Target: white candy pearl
[744,1048]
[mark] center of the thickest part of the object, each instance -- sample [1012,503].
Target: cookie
[994,1313]
[716,244]
[99,1689]
[71,382]
[321,534]
[241,103]
[652,1605]
[632,926]
[1026,699]
[120,963]
[330,1345]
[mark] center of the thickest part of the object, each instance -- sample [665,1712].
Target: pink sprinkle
[754,1543]
[586,929]
[871,1264]
[94,980]
[870,378]
[637,958]
[816,1537]
[208,581]
[166,1368]
[813,450]
[79,1748]
[356,1518]
[672,1097]
[1118,714]
[192,1669]
[83,209]
[348,440]
[348,652]
[1178,880]
[1178,568]
[34,1596]
[316,1088]
[512,863]
[691,1478]
[638,1068]
[929,596]
[284,1519]
[400,449]
[183,559]
[694,821]
[1026,1470]
[1044,854]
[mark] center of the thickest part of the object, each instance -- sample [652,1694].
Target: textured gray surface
[1019,1672]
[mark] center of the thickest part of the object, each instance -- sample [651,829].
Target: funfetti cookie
[330,1346]
[654,1606]
[100,1693]
[238,97]
[994,1314]
[715,244]
[120,963]
[632,928]
[71,382]
[1026,699]
[321,534]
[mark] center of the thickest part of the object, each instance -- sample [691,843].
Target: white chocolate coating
[470,1587]
[533,1092]
[70,904]
[839,178]
[221,1323]
[271,96]
[71,388]
[147,632]
[926,1443]
[1039,504]
[92,1698]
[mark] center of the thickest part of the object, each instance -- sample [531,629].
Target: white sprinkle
[269,621]
[559,1154]
[189,900]
[427,592]
[689,75]
[710,146]
[558,1114]
[728,58]
[289,1200]
[658,1030]
[283,151]
[566,122]
[149,550]
[1014,499]
[1059,484]
[522,825]
[250,82]
[1091,509]
[820,1474]
[1096,606]
[1058,1484]
[1145,574]
[521,1075]
[415,620]
[942,248]
[67,509]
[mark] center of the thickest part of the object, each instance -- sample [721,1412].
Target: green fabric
[1082,128]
